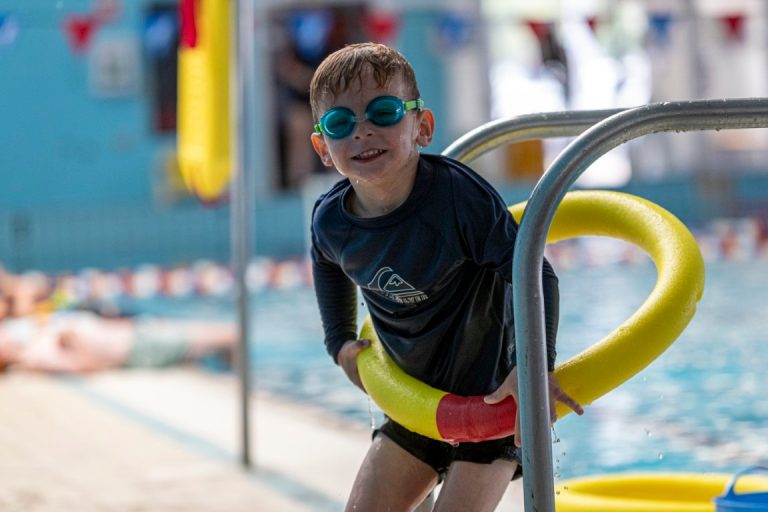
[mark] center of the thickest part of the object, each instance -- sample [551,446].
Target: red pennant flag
[592,22]
[734,26]
[79,30]
[381,26]
[540,30]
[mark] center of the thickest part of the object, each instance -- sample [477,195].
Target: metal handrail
[524,127]
[538,483]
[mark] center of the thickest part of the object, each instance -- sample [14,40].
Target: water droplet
[370,412]
[555,437]
[557,492]
[661,455]
[661,397]
[557,474]
[648,433]
[565,487]
[563,454]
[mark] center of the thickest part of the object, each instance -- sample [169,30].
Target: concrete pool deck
[169,441]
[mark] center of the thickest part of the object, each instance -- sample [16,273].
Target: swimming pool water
[701,406]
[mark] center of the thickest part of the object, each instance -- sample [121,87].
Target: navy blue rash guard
[435,274]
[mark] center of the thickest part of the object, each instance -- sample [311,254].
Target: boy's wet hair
[340,69]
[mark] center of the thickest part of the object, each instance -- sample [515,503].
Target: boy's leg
[475,486]
[390,478]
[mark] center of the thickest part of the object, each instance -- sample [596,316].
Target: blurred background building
[88,110]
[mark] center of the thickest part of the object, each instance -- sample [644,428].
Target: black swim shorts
[439,454]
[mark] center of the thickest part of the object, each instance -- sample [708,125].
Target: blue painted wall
[60,145]
[77,171]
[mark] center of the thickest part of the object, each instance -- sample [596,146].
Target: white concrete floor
[170,440]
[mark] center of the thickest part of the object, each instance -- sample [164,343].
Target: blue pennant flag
[9,29]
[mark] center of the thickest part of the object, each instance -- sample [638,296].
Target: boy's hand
[508,388]
[556,394]
[348,359]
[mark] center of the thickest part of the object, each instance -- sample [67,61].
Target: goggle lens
[339,122]
[385,111]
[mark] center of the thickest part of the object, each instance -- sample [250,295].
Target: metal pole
[240,193]
[529,251]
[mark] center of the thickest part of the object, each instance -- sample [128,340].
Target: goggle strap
[414,104]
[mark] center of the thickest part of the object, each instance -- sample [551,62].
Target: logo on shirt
[395,288]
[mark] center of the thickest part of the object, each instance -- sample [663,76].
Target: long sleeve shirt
[435,275]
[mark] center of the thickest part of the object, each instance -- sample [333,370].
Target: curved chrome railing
[529,248]
[525,127]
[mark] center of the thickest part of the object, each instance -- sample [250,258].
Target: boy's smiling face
[374,155]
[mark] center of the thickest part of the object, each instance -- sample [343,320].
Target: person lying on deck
[34,336]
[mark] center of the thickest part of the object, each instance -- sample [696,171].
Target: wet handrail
[538,484]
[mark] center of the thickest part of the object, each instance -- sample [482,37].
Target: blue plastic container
[751,501]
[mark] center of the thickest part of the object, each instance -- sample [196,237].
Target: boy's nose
[363,128]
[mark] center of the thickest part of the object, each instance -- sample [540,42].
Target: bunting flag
[80,28]
[454,30]
[592,23]
[734,26]
[540,29]
[310,29]
[9,29]
[381,26]
[659,24]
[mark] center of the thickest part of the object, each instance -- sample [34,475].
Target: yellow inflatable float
[203,110]
[588,375]
[659,492]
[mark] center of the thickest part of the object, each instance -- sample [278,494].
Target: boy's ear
[426,128]
[321,148]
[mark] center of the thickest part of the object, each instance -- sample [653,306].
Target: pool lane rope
[631,347]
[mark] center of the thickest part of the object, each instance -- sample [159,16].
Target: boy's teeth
[370,154]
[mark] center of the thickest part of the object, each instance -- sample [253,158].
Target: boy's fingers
[571,403]
[495,397]
[360,345]
[552,411]
[353,347]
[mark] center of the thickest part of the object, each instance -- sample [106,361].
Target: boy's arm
[337,300]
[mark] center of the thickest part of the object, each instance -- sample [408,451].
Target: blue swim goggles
[339,122]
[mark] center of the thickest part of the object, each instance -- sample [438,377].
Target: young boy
[429,243]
